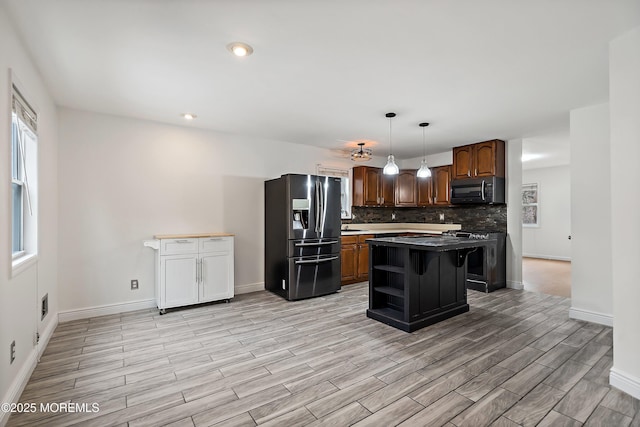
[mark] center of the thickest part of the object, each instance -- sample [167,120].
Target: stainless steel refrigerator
[302,235]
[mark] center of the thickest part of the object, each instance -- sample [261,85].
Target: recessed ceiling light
[188,116]
[240,49]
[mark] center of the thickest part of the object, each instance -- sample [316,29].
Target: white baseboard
[625,382]
[551,257]
[249,287]
[20,381]
[46,335]
[515,285]
[591,316]
[104,310]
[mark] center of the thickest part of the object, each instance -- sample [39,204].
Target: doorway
[546,219]
[551,277]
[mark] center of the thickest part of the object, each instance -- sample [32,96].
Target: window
[530,213]
[345,187]
[24,145]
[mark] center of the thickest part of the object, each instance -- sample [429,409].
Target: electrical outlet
[441,217]
[134,284]
[393,216]
[12,352]
[45,306]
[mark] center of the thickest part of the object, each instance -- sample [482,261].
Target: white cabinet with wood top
[193,269]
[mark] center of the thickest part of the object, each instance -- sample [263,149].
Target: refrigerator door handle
[329,242]
[316,261]
[322,210]
[316,209]
[321,197]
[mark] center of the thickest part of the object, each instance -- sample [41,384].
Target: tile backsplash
[471,217]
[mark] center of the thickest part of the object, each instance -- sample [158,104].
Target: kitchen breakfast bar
[416,281]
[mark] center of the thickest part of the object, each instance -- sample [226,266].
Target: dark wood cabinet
[363,258]
[479,160]
[425,191]
[348,259]
[371,187]
[406,192]
[462,162]
[355,258]
[489,158]
[387,189]
[366,186]
[441,177]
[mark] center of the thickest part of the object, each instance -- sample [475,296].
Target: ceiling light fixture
[362,154]
[424,171]
[390,168]
[240,49]
[188,116]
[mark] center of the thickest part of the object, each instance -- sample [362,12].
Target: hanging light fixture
[390,168]
[424,171]
[362,154]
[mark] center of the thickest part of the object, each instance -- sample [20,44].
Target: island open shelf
[417,281]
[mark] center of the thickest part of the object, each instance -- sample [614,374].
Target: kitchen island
[416,281]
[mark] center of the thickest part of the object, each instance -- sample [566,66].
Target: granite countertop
[392,228]
[437,243]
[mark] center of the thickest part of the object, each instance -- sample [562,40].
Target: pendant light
[390,168]
[424,171]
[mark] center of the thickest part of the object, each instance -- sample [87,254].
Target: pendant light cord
[424,146]
[390,142]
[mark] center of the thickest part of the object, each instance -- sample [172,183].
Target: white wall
[591,293]
[624,69]
[20,294]
[550,239]
[125,180]
[433,160]
[514,213]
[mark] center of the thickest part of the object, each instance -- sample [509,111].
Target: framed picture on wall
[530,205]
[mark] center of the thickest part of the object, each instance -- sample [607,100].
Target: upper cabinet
[406,188]
[387,189]
[366,185]
[371,187]
[425,191]
[441,185]
[479,160]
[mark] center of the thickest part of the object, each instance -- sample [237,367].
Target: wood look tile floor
[516,359]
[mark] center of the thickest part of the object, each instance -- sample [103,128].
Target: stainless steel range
[486,267]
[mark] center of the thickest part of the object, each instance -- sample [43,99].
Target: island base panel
[392,317]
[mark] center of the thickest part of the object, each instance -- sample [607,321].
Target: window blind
[24,111]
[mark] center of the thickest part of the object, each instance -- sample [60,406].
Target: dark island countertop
[429,243]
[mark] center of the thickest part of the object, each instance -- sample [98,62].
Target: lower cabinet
[194,270]
[355,258]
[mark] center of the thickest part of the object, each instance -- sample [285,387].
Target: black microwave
[489,190]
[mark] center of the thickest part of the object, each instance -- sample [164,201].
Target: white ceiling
[325,71]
